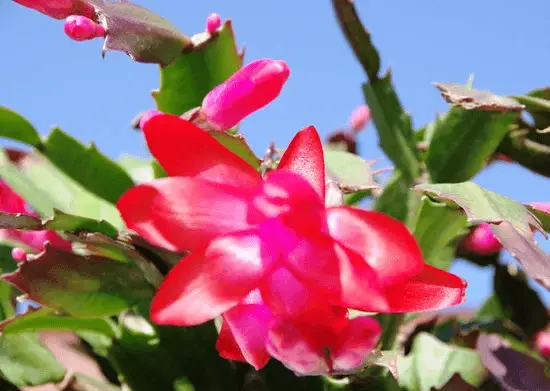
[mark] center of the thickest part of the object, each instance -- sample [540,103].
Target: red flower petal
[432,289]
[209,282]
[284,294]
[183,149]
[183,213]
[227,346]
[385,243]
[249,325]
[355,343]
[304,156]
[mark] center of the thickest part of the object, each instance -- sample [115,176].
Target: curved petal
[183,149]
[249,325]
[304,156]
[385,243]
[209,282]
[300,346]
[227,346]
[285,295]
[183,213]
[355,342]
[290,197]
[430,290]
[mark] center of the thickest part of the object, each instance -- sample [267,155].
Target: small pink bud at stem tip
[542,343]
[482,241]
[248,90]
[18,254]
[81,28]
[359,118]
[213,22]
[147,116]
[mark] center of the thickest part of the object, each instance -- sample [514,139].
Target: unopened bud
[18,254]
[482,241]
[213,23]
[359,118]
[542,342]
[81,28]
[248,90]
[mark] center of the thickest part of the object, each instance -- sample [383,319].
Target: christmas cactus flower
[11,202]
[273,234]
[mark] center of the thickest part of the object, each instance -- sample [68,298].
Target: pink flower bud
[482,241]
[147,116]
[359,118]
[542,342]
[542,206]
[213,22]
[60,9]
[249,89]
[18,254]
[81,28]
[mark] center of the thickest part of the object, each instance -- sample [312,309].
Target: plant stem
[392,323]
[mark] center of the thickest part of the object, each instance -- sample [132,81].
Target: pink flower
[318,342]
[359,118]
[248,90]
[542,342]
[482,241]
[11,202]
[81,28]
[213,23]
[542,206]
[246,233]
[60,9]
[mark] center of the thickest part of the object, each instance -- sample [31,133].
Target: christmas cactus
[208,267]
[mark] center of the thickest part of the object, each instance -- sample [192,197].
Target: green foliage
[432,363]
[394,126]
[186,81]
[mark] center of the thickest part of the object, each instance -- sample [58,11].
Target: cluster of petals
[60,9]
[11,202]
[266,254]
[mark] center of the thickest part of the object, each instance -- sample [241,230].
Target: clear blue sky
[55,81]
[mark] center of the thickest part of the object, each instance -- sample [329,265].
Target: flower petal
[355,342]
[284,294]
[430,290]
[183,149]
[249,325]
[211,281]
[183,213]
[227,345]
[304,156]
[385,243]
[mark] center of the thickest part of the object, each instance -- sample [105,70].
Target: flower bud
[359,118]
[542,343]
[81,28]
[18,254]
[213,22]
[482,241]
[60,9]
[249,89]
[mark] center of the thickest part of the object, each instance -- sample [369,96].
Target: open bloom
[60,9]
[274,234]
[11,202]
[324,341]
[248,90]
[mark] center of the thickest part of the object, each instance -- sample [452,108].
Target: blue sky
[55,81]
